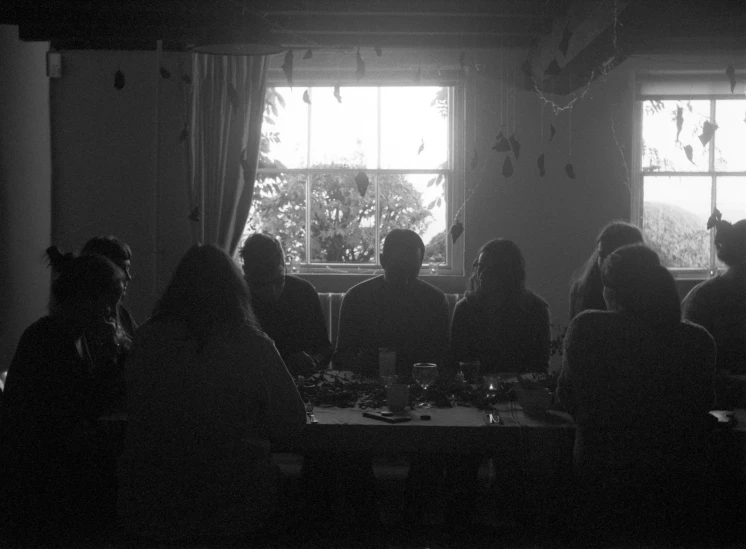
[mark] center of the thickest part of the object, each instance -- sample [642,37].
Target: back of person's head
[207,289]
[110,247]
[637,283]
[499,269]
[730,241]
[587,285]
[402,255]
[81,280]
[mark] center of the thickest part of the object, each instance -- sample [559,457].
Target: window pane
[416,202]
[675,216]
[730,137]
[731,201]
[346,133]
[342,221]
[279,208]
[661,151]
[285,129]
[414,118]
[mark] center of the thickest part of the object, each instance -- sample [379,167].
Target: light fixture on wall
[250,36]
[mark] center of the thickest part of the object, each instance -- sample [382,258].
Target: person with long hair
[586,291]
[207,396]
[719,305]
[120,254]
[639,383]
[499,321]
[53,473]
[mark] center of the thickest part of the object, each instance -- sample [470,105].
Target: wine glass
[424,374]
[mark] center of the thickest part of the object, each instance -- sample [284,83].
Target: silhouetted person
[207,395]
[54,480]
[499,322]
[639,383]
[396,310]
[287,307]
[719,305]
[586,291]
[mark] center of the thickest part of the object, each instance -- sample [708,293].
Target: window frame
[454,175]
[637,190]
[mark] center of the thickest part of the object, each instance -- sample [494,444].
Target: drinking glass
[424,374]
[471,370]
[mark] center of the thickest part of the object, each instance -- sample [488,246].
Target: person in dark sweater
[57,480]
[499,322]
[288,308]
[639,383]
[719,305]
[586,291]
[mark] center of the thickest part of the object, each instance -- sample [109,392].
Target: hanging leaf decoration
[306,97]
[379,53]
[233,95]
[119,80]
[165,73]
[501,143]
[515,146]
[689,153]
[194,214]
[337,94]
[507,167]
[714,219]
[362,181]
[708,130]
[553,69]
[456,230]
[474,160]
[308,54]
[731,74]
[552,131]
[570,171]
[360,72]
[565,42]
[422,147]
[679,121]
[186,79]
[287,67]
[184,133]
[540,164]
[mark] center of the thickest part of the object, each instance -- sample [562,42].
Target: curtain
[227,107]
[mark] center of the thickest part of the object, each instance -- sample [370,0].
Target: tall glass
[424,374]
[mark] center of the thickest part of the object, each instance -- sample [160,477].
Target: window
[340,167]
[692,152]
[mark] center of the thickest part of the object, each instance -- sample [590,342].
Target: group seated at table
[210,385]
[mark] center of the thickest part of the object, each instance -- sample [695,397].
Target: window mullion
[713,189]
[378,179]
[309,182]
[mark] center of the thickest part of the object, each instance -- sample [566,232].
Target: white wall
[25,187]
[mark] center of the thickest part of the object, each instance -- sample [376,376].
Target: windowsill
[341,282]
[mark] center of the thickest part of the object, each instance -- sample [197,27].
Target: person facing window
[207,395]
[586,291]
[499,322]
[639,383]
[288,308]
[54,479]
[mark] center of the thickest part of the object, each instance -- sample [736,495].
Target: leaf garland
[456,230]
[565,42]
[422,147]
[540,164]
[501,143]
[287,67]
[360,72]
[689,152]
[515,146]
[165,73]
[679,121]
[570,171]
[474,160]
[507,167]
[552,131]
[553,69]
[362,181]
[337,94]
[186,79]
[306,97]
[119,80]
[730,72]
[714,219]
[308,54]
[708,130]
[194,214]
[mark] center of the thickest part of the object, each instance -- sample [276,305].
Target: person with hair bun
[53,473]
[586,291]
[719,305]
[639,383]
